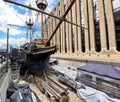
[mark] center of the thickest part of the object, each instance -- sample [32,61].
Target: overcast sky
[12,14]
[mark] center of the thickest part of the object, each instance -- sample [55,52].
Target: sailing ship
[34,56]
[36,59]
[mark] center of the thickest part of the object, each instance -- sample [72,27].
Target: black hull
[37,62]
[36,67]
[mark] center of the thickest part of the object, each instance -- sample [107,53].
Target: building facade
[98,36]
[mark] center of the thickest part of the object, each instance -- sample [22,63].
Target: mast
[42,5]
[60,18]
[30,23]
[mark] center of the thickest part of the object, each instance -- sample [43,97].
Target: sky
[12,14]
[16,15]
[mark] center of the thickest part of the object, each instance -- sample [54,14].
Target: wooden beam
[41,11]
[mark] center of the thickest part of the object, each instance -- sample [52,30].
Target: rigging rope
[46,31]
[17,16]
[35,22]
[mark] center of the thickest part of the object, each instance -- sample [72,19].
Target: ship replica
[36,59]
[36,53]
[34,56]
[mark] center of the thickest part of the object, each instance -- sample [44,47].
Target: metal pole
[7,49]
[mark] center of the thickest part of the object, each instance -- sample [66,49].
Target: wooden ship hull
[36,61]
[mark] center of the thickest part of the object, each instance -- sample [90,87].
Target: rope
[17,16]
[46,24]
[25,75]
[36,19]
[35,23]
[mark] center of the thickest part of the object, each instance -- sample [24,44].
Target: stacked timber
[38,82]
[55,90]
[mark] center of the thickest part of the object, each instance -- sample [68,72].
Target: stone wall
[74,64]
[4,85]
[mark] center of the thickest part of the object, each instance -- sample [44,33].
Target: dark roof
[102,69]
